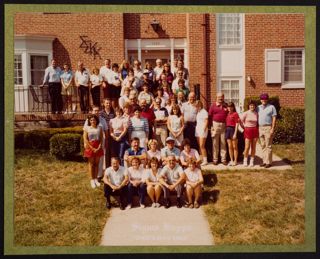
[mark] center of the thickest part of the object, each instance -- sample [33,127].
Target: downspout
[205,61]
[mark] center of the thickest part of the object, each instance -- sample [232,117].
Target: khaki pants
[218,131]
[266,141]
[161,134]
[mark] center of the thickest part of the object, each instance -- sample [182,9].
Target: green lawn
[262,206]
[54,204]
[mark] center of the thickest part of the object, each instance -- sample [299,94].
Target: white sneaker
[231,163]
[128,207]
[251,163]
[245,162]
[154,205]
[158,205]
[93,185]
[97,182]
[142,206]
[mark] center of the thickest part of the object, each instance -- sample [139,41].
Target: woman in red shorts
[92,136]
[249,120]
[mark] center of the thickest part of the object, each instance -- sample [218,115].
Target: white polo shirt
[116,177]
[82,78]
[172,175]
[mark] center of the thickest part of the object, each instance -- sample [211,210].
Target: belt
[265,125]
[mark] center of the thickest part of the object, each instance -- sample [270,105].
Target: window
[230,29]
[285,67]
[230,89]
[18,70]
[293,67]
[38,65]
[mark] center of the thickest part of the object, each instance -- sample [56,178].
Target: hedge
[65,145]
[40,139]
[290,126]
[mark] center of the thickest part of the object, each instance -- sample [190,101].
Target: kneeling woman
[194,180]
[136,182]
[92,136]
[152,180]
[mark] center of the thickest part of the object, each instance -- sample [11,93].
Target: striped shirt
[138,124]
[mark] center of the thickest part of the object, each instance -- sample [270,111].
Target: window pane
[38,65]
[232,26]
[17,69]
[293,68]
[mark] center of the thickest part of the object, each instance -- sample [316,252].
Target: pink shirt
[249,119]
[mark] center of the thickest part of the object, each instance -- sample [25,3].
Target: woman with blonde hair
[154,187]
[153,150]
[123,69]
[194,181]
[201,131]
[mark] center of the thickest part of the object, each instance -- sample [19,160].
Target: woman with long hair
[93,137]
[175,125]
[232,124]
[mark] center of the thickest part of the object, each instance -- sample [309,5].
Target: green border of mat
[310,97]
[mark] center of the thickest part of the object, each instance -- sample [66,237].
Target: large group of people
[148,136]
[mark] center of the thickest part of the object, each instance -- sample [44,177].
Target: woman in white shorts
[202,131]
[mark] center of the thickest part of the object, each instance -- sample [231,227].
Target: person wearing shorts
[249,120]
[232,124]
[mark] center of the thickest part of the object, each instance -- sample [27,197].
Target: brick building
[238,54]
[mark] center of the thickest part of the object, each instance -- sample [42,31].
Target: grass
[54,204]
[262,206]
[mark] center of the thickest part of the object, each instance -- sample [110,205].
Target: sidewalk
[156,227]
[277,164]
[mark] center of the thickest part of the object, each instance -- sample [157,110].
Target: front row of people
[125,182]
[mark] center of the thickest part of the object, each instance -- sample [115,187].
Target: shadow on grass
[291,162]
[74,158]
[209,194]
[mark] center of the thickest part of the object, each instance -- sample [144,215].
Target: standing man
[115,182]
[189,110]
[105,72]
[52,77]
[180,66]
[81,78]
[218,113]
[267,115]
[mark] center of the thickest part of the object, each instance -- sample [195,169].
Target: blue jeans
[119,147]
[141,189]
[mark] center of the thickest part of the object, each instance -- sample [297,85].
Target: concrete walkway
[277,164]
[156,227]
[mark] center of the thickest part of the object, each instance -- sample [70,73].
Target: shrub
[274,100]
[39,139]
[65,145]
[290,126]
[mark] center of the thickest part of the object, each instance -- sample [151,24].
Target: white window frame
[293,85]
[19,54]
[234,46]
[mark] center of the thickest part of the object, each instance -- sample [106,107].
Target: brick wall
[137,26]
[106,30]
[264,31]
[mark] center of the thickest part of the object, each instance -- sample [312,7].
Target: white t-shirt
[104,72]
[118,124]
[152,154]
[189,112]
[158,71]
[193,176]
[95,80]
[202,115]
[113,78]
[148,175]
[135,174]
[193,153]
[82,78]
[172,175]
[116,177]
